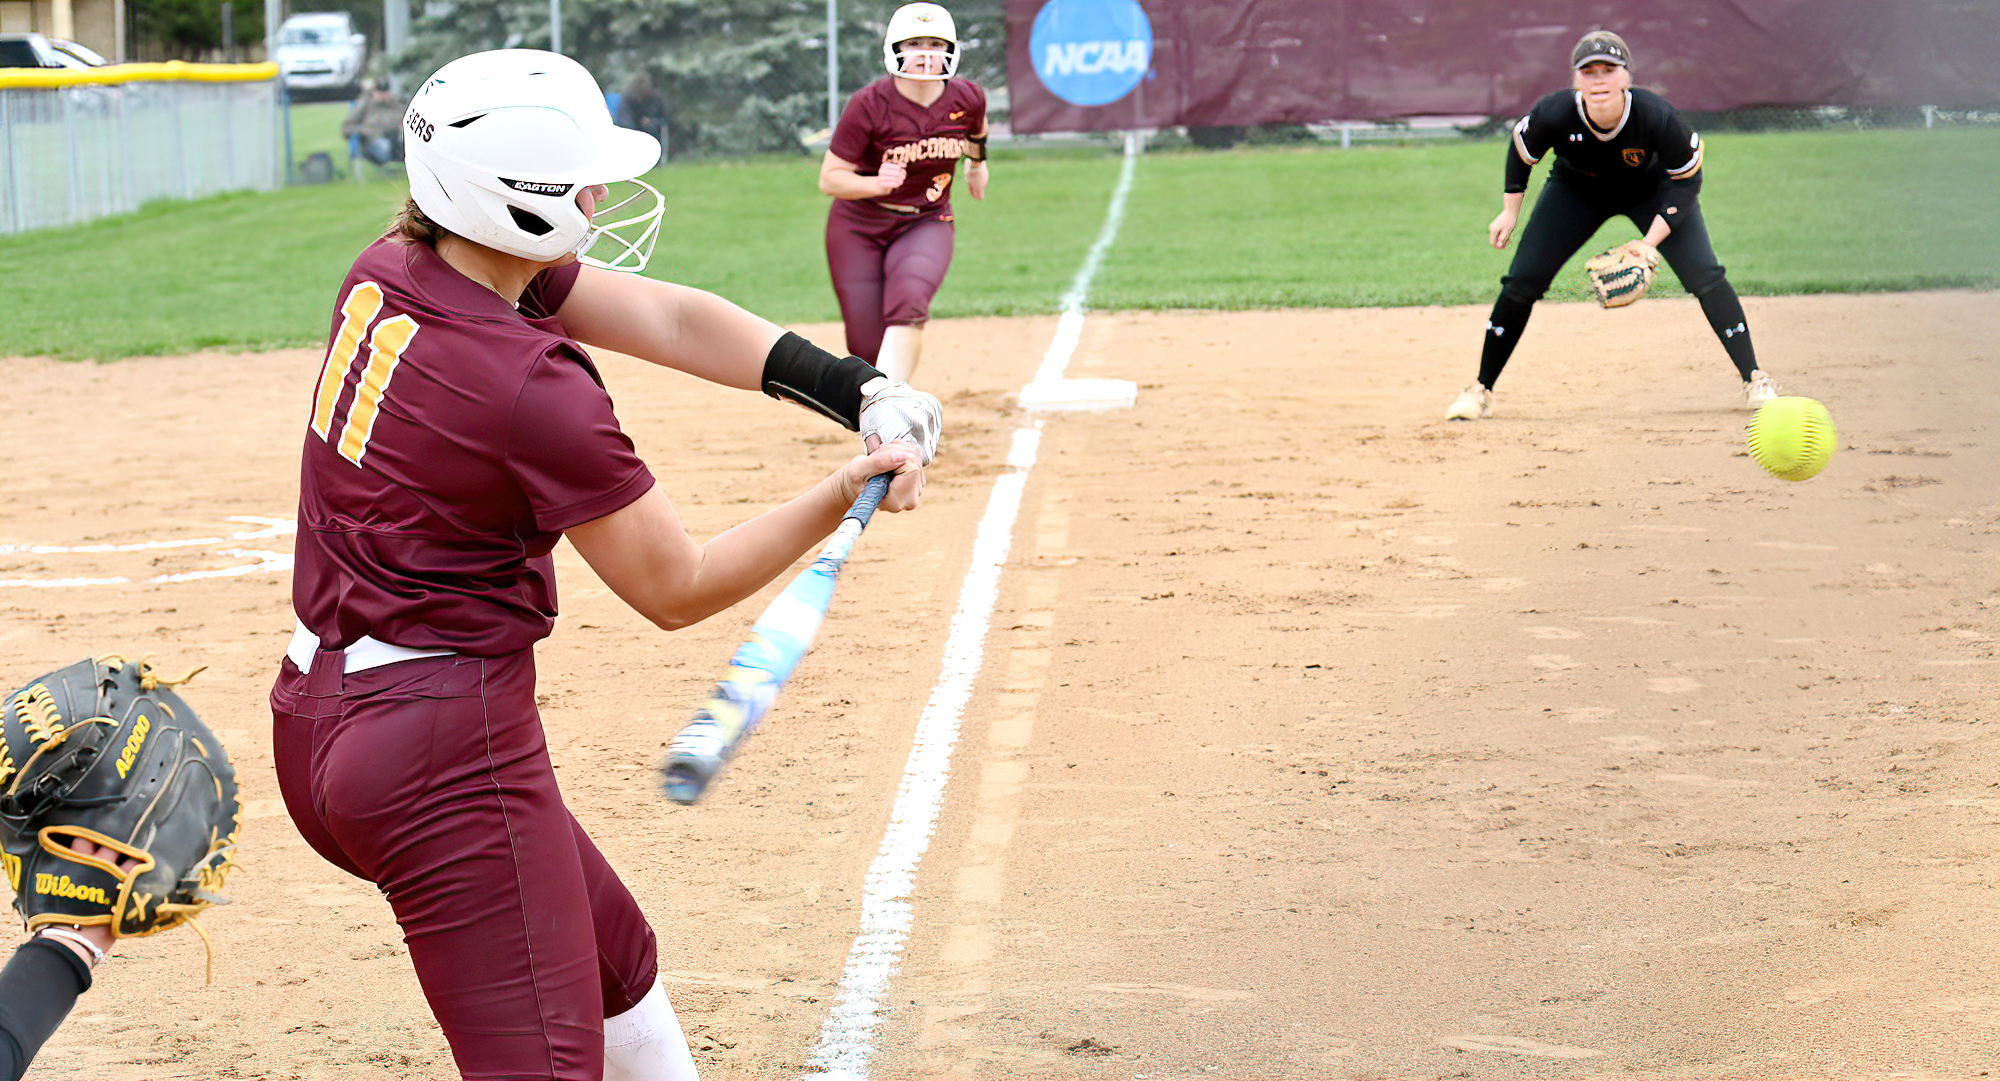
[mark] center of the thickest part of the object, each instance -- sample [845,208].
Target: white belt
[362,654]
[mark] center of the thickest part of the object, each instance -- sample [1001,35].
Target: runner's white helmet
[920,21]
[498,143]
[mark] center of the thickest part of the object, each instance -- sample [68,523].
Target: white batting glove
[900,413]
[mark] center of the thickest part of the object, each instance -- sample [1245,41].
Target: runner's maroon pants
[431,778]
[886,267]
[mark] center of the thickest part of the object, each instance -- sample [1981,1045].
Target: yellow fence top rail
[171,71]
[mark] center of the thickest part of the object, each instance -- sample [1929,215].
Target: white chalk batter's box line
[262,560]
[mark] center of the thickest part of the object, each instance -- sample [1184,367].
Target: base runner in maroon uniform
[457,430]
[889,170]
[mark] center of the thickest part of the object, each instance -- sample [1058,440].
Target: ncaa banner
[1108,65]
[1091,52]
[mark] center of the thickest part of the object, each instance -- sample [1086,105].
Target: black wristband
[980,142]
[799,371]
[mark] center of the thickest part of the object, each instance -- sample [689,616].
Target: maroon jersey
[451,441]
[881,125]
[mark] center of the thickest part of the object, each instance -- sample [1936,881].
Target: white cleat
[1473,403]
[1759,389]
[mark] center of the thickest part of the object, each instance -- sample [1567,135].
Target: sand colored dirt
[1317,737]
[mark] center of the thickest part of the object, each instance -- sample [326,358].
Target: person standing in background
[641,108]
[374,126]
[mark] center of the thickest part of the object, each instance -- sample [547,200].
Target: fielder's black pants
[1562,222]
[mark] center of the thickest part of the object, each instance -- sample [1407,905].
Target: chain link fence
[724,78]
[70,154]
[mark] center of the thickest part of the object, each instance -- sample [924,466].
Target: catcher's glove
[1622,275]
[105,750]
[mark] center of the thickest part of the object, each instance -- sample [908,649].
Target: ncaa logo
[1091,52]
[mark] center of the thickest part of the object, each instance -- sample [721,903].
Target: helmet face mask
[909,61]
[920,20]
[628,222]
[498,144]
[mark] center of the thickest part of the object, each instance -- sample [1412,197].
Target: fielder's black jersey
[1650,158]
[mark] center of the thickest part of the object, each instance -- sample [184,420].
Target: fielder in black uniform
[1619,151]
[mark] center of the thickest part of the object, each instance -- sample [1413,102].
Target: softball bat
[761,665]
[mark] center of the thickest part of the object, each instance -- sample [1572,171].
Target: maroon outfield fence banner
[1098,65]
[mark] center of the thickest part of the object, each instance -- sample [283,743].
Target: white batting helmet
[498,143]
[920,21]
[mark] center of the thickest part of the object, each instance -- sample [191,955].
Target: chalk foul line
[846,1040]
[1049,390]
[262,560]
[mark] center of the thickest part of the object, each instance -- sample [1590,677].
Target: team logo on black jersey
[533,187]
[1635,158]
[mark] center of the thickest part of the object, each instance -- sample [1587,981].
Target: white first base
[1072,395]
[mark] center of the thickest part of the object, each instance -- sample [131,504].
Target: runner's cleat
[1759,389]
[1473,403]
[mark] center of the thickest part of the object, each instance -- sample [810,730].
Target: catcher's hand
[104,751]
[1623,274]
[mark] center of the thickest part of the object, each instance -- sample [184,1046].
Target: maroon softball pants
[431,778]
[886,267]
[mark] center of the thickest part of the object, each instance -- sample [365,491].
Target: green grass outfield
[1248,228]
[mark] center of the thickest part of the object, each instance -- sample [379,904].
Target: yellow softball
[1792,437]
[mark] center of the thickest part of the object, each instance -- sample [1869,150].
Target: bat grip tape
[870,498]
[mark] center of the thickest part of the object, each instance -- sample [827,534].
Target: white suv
[319,53]
[30,50]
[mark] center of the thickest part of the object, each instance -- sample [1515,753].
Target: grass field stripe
[847,1039]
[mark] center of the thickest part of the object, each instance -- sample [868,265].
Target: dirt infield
[1317,737]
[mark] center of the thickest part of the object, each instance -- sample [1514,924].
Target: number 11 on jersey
[385,351]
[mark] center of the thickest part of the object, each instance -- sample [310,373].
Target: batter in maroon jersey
[889,170]
[456,430]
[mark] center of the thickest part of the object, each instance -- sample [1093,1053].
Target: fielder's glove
[105,750]
[1622,275]
[898,412]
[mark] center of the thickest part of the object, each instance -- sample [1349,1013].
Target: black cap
[1600,47]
